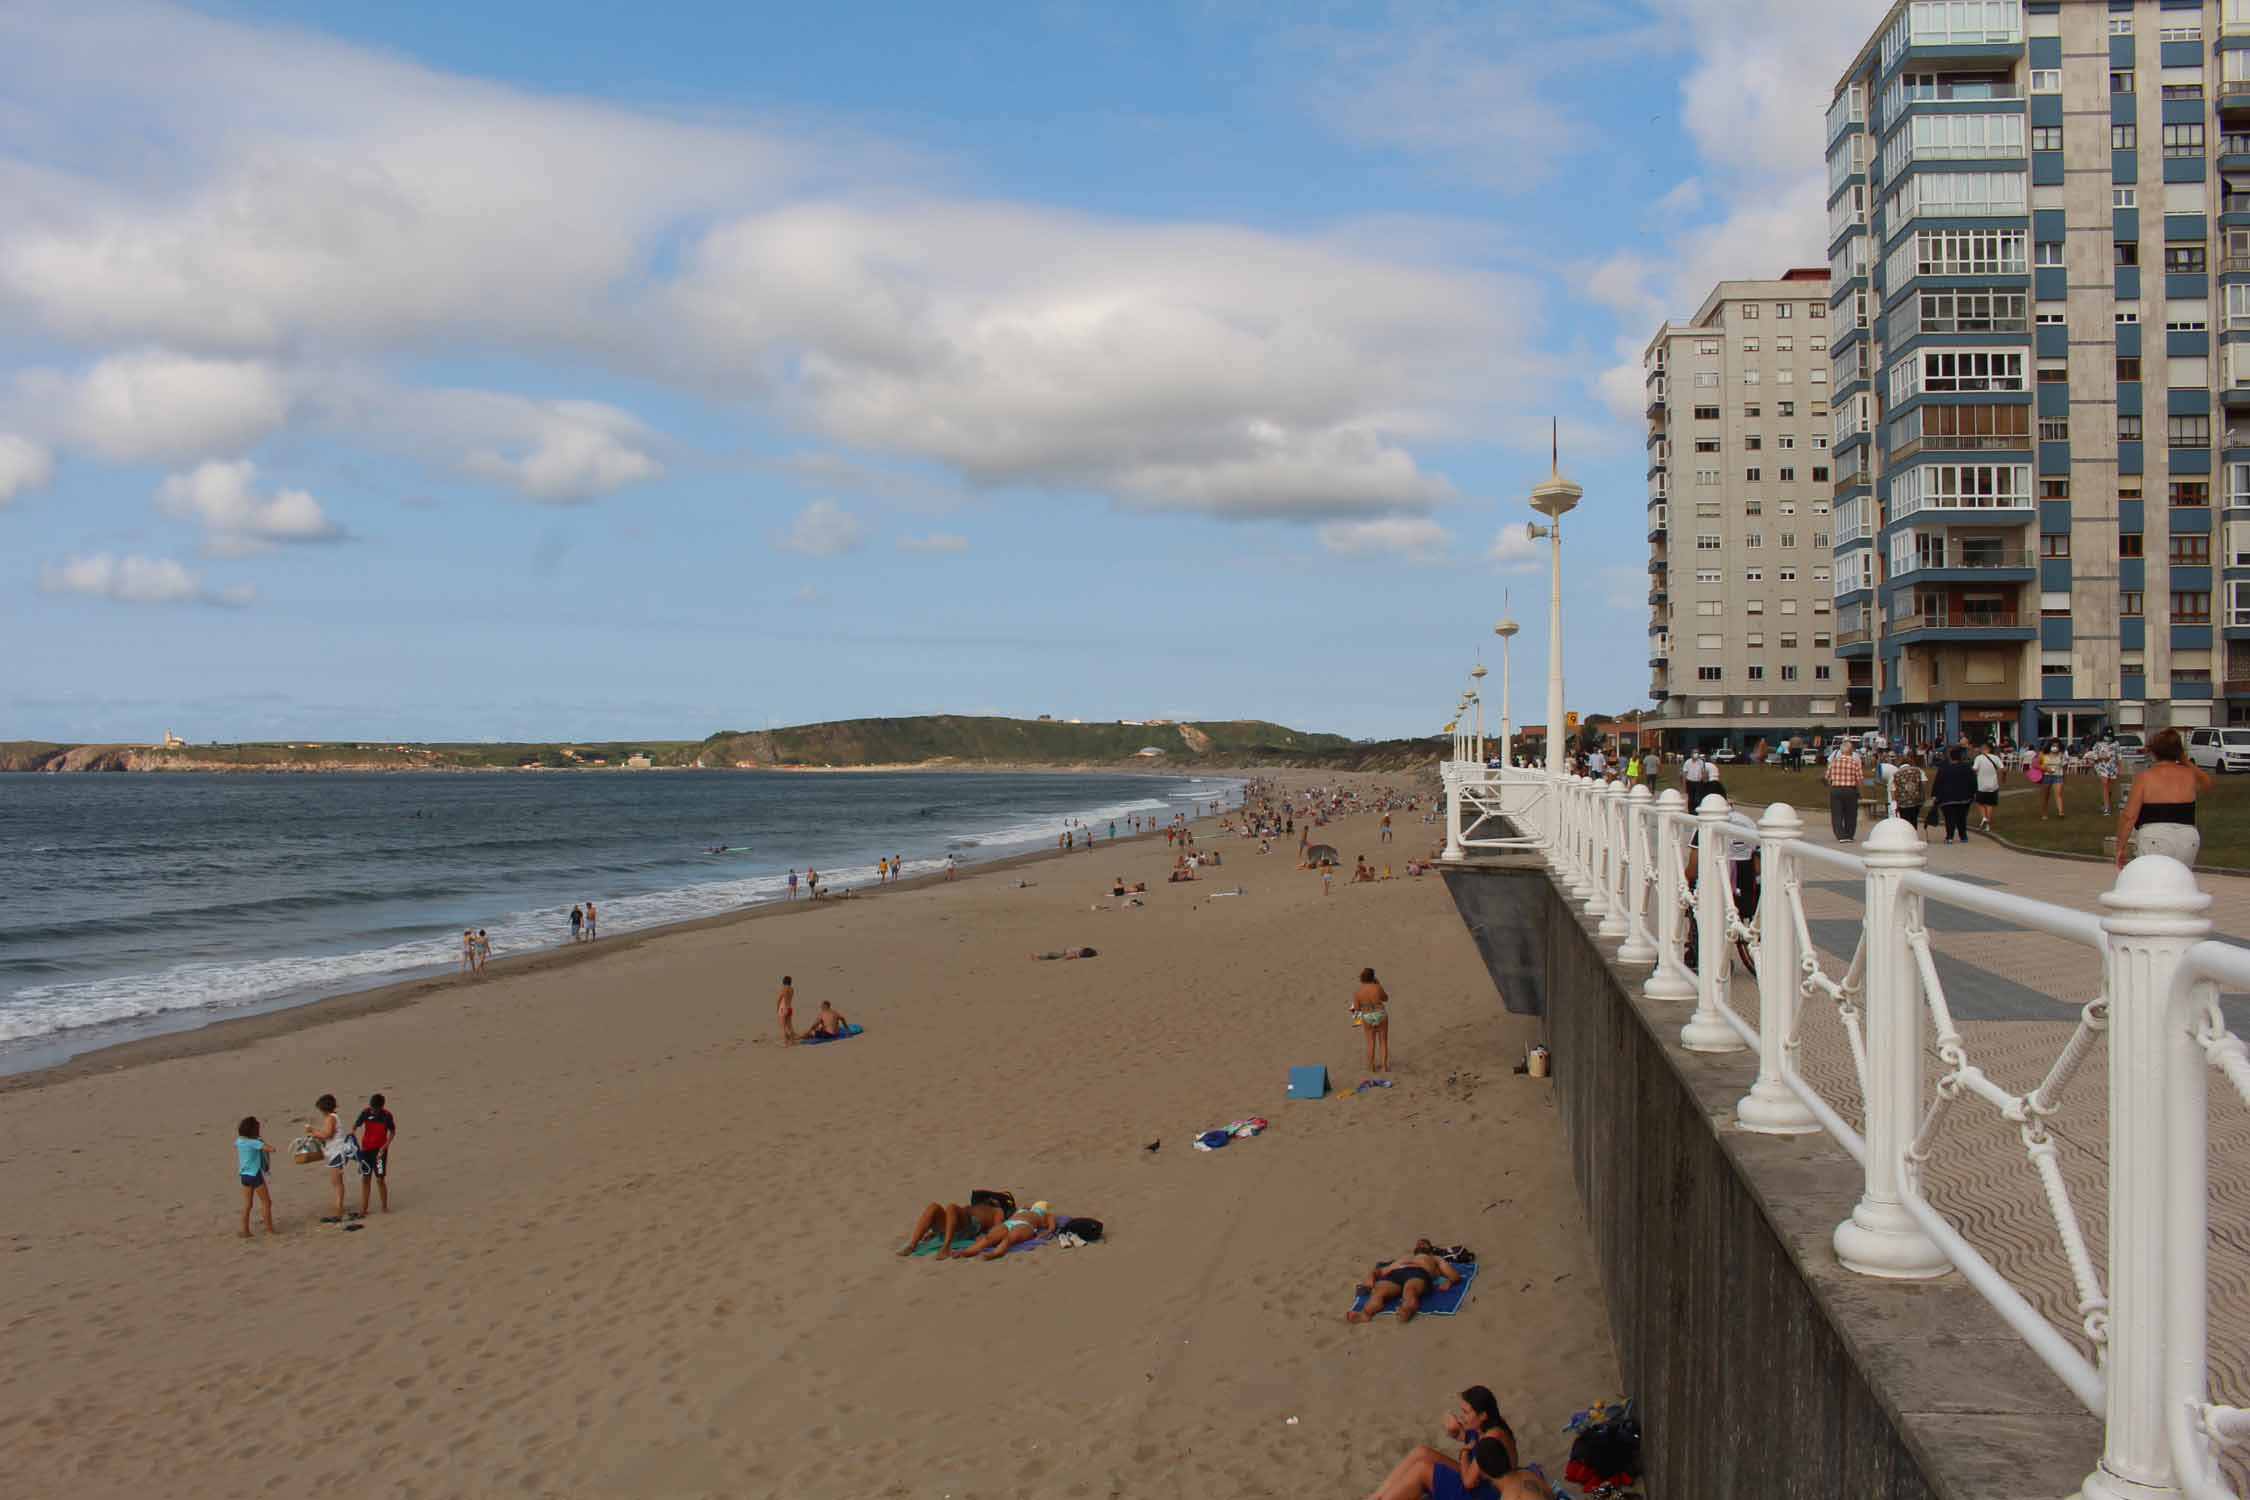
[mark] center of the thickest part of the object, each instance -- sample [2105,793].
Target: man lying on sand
[1118,887]
[1067,953]
[1427,1471]
[947,1220]
[1406,1280]
[1023,1224]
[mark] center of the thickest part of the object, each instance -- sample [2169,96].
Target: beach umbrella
[1322,852]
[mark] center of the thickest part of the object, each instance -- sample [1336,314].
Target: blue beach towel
[1436,1303]
[851,1029]
[929,1246]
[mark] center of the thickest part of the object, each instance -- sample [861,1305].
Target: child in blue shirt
[252,1157]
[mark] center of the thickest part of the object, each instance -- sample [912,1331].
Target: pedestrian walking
[1845,772]
[2159,815]
[1990,771]
[1954,791]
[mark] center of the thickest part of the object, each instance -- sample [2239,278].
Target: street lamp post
[1506,630]
[1477,693]
[1552,499]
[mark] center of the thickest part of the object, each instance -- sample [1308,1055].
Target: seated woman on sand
[948,1220]
[1427,1471]
[1407,1280]
[1023,1224]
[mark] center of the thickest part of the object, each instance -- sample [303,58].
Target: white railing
[2137,1355]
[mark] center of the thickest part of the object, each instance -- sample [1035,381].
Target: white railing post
[1707,1030]
[1670,980]
[1639,947]
[2155,916]
[1610,803]
[1881,1237]
[1596,898]
[1772,1106]
[1581,876]
[1451,774]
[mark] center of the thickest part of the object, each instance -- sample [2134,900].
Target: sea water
[143,902]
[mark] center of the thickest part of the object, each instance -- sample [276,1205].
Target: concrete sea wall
[1762,1367]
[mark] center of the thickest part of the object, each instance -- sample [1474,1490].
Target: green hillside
[971,740]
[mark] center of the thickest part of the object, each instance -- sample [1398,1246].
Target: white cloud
[1515,551]
[936,541]
[823,529]
[24,466]
[293,204]
[157,405]
[1414,538]
[239,521]
[135,580]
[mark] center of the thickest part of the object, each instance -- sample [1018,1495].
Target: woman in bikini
[1023,1224]
[947,1221]
[1371,1010]
[1406,1280]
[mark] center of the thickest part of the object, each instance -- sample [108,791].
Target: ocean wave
[221,985]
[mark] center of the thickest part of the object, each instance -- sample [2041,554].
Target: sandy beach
[639,1247]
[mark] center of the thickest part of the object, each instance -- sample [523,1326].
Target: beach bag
[1087,1230]
[2033,773]
[304,1151]
[1607,1449]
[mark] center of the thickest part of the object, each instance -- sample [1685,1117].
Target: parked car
[1726,755]
[2132,751]
[2219,750]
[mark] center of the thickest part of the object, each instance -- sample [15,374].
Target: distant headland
[922,742]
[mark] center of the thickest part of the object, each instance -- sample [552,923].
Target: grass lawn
[2223,813]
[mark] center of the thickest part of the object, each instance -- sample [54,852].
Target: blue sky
[550,370]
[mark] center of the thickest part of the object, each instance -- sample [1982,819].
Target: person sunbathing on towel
[1407,1281]
[1067,953]
[1426,1471]
[830,1022]
[947,1221]
[1023,1224]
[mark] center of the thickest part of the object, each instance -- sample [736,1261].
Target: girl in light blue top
[252,1156]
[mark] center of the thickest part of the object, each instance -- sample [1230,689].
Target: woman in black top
[1954,789]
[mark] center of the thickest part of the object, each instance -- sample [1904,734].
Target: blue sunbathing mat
[851,1029]
[1436,1303]
[929,1245]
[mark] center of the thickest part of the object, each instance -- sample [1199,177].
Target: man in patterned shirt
[1845,772]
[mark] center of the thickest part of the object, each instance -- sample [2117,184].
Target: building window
[1707,541]
[1785,309]
[2191,492]
[2054,489]
[2182,140]
[1706,445]
[1820,543]
[2054,429]
[1786,575]
[2128,315]
[2047,253]
[2046,138]
[1753,575]
[1706,476]
[1750,476]
[2128,429]
[1788,539]
[1707,379]
[2191,608]
[1788,673]
[1753,443]
[1757,673]
[2124,138]
[1749,309]
[1753,539]
[2054,544]
[2054,669]
[1785,408]
[1788,476]
[1711,413]
[2129,603]
[2121,81]
[2123,197]
[2188,432]
[2185,259]
[1821,674]
[2128,369]
[1706,346]
[1710,674]
[2126,252]
[2046,80]
[2128,544]
[2054,374]
[1750,410]
[1706,575]
[2193,550]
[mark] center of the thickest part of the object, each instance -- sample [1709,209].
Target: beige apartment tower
[1742,628]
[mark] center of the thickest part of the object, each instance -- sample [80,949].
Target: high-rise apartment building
[2040,264]
[1742,631]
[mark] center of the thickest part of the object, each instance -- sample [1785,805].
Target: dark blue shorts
[256,1180]
[371,1165]
[1445,1484]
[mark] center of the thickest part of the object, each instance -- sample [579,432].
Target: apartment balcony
[1963,443]
[2235,687]
[2233,99]
[1850,643]
[1975,565]
[2234,153]
[1659,661]
[1655,398]
[2235,265]
[1657,531]
[1659,597]
[2234,203]
[2234,390]
[1852,479]
[2000,624]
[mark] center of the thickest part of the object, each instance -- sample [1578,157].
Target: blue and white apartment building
[2039,220]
